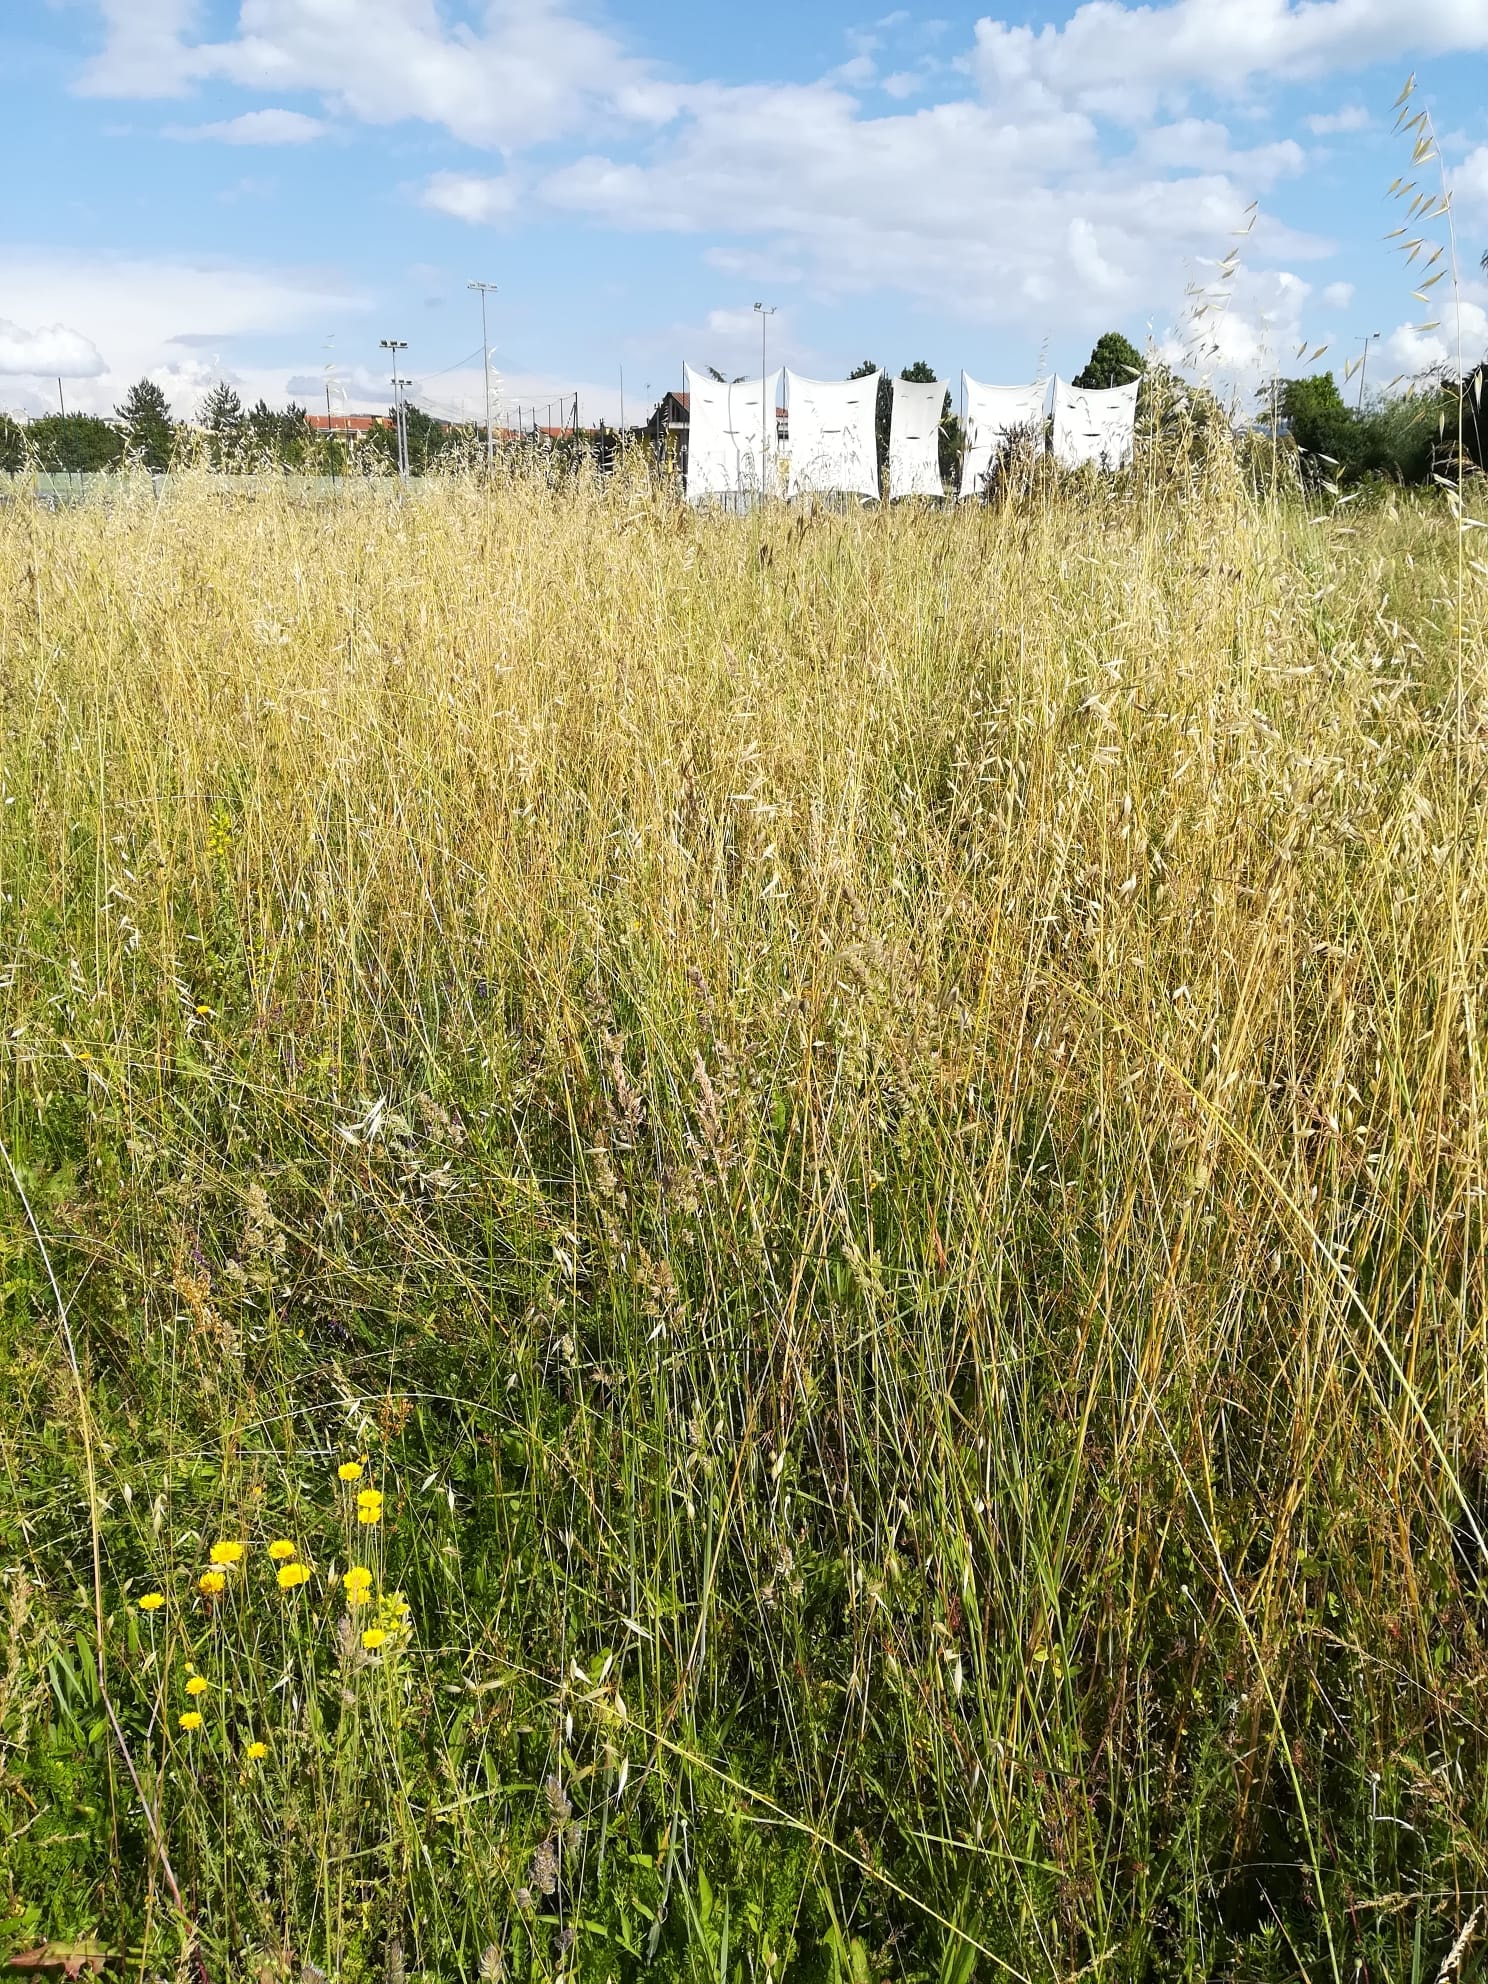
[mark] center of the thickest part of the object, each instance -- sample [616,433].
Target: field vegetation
[744,1248]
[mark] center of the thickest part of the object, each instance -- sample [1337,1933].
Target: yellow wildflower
[210,1583]
[373,1638]
[281,1550]
[190,1720]
[292,1574]
[197,1685]
[349,1470]
[152,1601]
[369,1507]
[256,1752]
[358,1585]
[226,1554]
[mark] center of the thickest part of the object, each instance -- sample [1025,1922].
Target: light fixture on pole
[766,312]
[1373,338]
[395,345]
[485,288]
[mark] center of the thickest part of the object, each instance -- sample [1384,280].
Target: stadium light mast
[485,288]
[395,345]
[765,313]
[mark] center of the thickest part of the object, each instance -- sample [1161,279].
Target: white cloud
[533,71]
[1353,117]
[467,196]
[1470,183]
[257,127]
[1119,59]
[171,320]
[1338,295]
[1205,146]
[1239,333]
[1413,349]
[52,353]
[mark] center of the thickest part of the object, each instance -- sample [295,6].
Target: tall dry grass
[872,1125]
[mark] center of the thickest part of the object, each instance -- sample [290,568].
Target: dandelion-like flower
[358,1585]
[152,1601]
[256,1752]
[197,1685]
[226,1554]
[349,1470]
[211,1584]
[281,1550]
[292,1574]
[191,1719]
[373,1638]
[369,1507]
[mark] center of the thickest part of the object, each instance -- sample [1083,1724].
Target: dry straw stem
[892,1103]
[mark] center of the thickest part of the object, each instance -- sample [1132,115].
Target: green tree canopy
[77,441]
[1321,425]
[224,421]
[148,428]
[1115,361]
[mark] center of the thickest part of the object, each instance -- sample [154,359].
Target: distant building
[352,427]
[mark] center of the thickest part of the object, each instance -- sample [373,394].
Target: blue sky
[261,189]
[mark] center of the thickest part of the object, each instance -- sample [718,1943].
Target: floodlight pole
[1373,338]
[485,288]
[766,312]
[395,345]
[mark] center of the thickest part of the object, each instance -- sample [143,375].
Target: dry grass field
[743,1249]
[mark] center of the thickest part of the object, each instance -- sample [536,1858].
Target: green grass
[874,1126]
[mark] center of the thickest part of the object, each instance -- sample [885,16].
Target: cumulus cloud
[1332,123]
[1120,60]
[257,127]
[53,353]
[1470,183]
[533,71]
[1413,349]
[169,319]
[1338,295]
[467,196]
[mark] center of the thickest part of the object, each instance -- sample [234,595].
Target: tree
[223,419]
[883,411]
[922,373]
[12,445]
[1321,425]
[76,441]
[148,427]
[1115,361]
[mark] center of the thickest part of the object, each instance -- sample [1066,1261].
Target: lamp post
[395,345]
[1373,338]
[485,288]
[765,313]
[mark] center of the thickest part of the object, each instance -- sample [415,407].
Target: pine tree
[148,428]
[223,418]
[1115,361]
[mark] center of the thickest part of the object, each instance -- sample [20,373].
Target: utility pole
[395,345]
[622,399]
[485,289]
[60,401]
[1373,338]
[405,461]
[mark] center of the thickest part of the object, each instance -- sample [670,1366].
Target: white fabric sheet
[992,413]
[1094,427]
[914,438]
[832,444]
[727,449]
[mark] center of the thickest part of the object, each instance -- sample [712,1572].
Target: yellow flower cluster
[281,1550]
[293,1574]
[358,1585]
[349,1470]
[225,1555]
[211,1584]
[369,1507]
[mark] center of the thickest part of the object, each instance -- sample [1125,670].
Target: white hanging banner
[992,413]
[914,438]
[832,435]
[1094,427]
[730,448]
